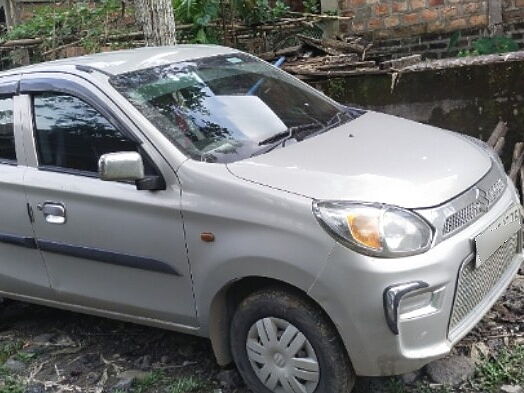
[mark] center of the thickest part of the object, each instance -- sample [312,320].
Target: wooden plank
[335,74]
[521,185]
[499,145]
[290,51]
[401,62]
[22,42]
[518,159]
[500,131]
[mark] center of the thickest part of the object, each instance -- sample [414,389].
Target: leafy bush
[312,6]
[200,13]
[490,45]
[254,12]
[60,24]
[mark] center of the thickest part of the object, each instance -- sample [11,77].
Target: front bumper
[351,289]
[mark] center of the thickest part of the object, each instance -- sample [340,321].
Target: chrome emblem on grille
[495,190]
[482,200]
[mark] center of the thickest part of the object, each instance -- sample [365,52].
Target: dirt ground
[44,349]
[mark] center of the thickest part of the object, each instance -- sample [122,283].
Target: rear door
[22,270]
[107,245]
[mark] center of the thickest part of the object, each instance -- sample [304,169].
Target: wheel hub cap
[279,359]
[282,357]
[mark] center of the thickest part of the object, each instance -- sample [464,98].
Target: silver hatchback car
[199,189]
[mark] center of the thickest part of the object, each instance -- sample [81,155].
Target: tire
[271,322]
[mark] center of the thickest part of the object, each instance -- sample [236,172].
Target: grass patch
[506,368]
[185,385]
[10,383]
[394,385]
[25,357]
[154,378]
[158,379]
[8,349]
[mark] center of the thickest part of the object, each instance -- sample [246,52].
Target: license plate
[497,234]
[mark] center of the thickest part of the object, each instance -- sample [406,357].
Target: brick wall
[402,18]
[512,10]
[437,45]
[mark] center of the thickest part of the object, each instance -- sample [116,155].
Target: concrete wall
[470,99]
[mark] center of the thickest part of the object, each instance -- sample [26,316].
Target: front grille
[468,214]
[462,217]
[474,284]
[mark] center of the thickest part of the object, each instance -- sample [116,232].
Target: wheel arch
[229,297]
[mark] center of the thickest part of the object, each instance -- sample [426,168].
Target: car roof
[123,61]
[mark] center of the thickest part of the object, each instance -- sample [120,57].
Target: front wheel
[282,343]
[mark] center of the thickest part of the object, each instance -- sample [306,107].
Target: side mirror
[127,165]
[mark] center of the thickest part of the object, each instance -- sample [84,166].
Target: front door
[107,245]
[22,270]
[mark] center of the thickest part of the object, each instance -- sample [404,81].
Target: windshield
[230,107]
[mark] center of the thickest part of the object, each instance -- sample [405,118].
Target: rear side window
[7,137]
[71,134]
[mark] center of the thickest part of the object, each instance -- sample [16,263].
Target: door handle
[54,213]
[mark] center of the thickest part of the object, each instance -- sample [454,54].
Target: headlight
[375,229]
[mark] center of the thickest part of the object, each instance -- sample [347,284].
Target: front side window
[71,134]
[230,107]
[7,137]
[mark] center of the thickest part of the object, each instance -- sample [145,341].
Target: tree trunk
[11,13]
[158,21]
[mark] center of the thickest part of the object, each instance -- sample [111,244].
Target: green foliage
[254,12]
[8,349]
[200,13]
[25,357]
[153,379]
[158,379]
[11,384]
[453,41]
[506,368]
[58,24]
[490,45]
[186,385]
[395,386]
[312,6]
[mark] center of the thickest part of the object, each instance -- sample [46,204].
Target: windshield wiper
[290,133]
[295,132]
[338,119]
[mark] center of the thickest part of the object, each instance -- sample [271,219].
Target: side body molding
[94,254]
